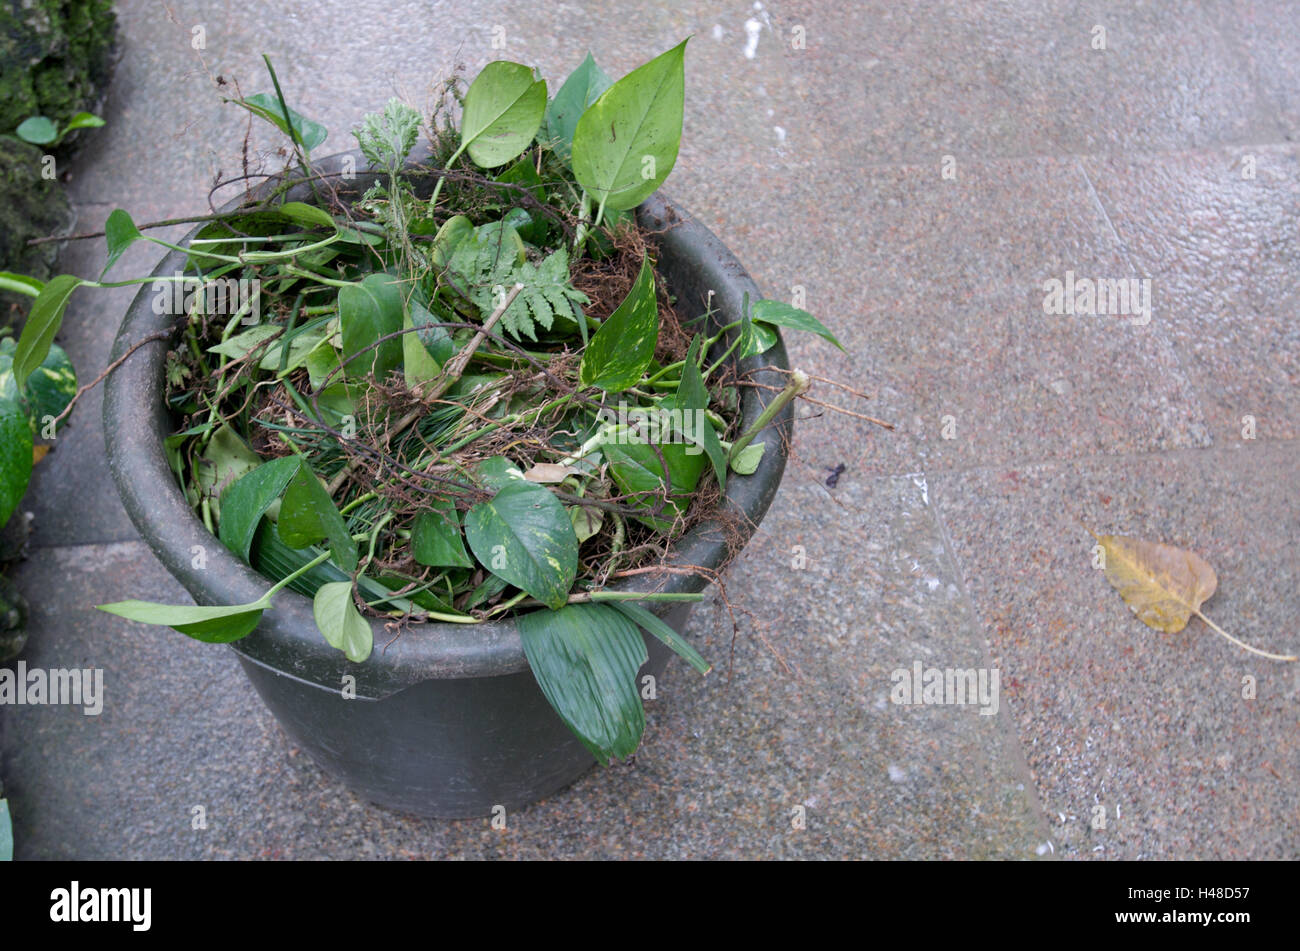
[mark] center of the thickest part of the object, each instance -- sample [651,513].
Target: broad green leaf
[20,284]
[120,233]
[783,315]
[524,536]
[223,462]
[658,627]
[43,323]
[340,621]
[436,537]
[626,142]
[586,658]
[37,130]
[83,120]
[308,515]
[636,469]
[305,214]
[15,457]
[503,110]
[248,498]
[747,460]
[50,388]
[417,365]
[267,106]
[368,311]
[497,472]
[693,398]
[583,87]
[621,350]
[219,624]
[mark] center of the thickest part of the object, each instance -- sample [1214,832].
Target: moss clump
[55,58]
[31,206]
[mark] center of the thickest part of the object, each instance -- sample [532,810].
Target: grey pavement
[953,540]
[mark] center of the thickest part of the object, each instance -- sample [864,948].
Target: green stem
[296,574]
[799,383]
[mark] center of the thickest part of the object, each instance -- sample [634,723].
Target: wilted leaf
[1163,585]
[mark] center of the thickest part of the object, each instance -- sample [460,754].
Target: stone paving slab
[1216,231]
[822,168]
[1151,727]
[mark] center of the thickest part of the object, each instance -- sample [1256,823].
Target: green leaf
[247,499]
[120,233]
[583,87]
[83,120]
[43,323]
[367,312]
[340,621]
[436,537]
[658,627]
[621,350]
[417,365]
[20,284]
[694,399]
[308,515]
[15,457]
[503,110]
[497,472]
[635,467]
[214,625]
[454,231]
[241,344]
[435,339]
[747,460]
[626,142]
[586,520]
[50,387]
[267,106]
[305,214]
[524,536]
[783,315]
[586,658]
[224,461]
[37,130]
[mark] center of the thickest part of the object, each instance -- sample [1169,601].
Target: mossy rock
[31,206]
[56,57]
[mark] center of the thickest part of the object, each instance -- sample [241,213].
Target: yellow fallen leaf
[38,453]
[1163,585]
